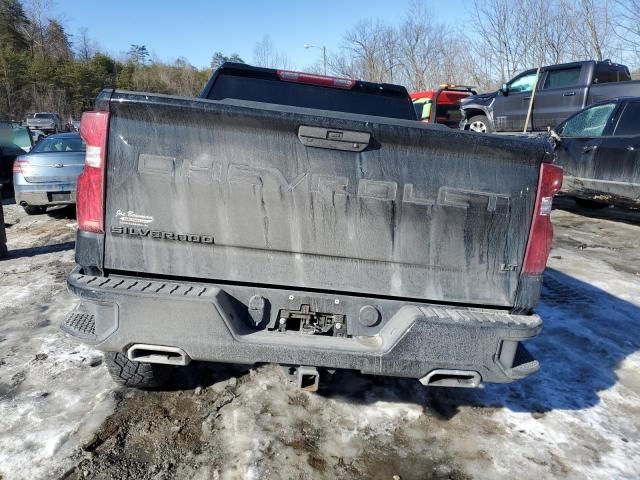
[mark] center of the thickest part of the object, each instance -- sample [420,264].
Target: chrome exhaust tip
[451,378]
[144,353]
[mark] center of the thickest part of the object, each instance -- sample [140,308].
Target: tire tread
[136,374]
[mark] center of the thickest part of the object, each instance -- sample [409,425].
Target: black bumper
[219,323]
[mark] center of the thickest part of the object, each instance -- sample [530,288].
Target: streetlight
[324,54]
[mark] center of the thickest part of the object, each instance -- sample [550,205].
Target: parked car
[441,105]
[9,124]
[561,91]
[47,122]
[309,221]
[48,174]
[75,125]
[599,149]
[14,141]
[37,135]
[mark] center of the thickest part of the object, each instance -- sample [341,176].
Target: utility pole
[324,55]
[324,58]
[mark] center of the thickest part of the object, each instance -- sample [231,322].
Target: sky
[195,29]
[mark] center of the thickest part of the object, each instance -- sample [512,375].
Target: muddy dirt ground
[62,417]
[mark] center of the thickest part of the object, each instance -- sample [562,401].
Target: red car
[441,105]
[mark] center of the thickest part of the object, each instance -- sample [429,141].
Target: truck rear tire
[480,124]
[136,374]
[35,209]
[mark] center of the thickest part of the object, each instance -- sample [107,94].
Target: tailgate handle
[334,138]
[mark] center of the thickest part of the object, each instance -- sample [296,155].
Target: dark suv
[599,149]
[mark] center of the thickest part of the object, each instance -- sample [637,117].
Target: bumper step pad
[81,325]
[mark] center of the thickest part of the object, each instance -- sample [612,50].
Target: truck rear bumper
[239,324]
[45,198]
[46,193]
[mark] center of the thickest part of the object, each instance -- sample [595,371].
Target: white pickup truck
[47,122]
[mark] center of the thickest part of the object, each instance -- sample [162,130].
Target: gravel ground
[62,417]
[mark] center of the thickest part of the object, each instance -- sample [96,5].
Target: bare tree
[592,31]
[513,35]
[370,51]
[85,47]
[266,55]
[421,44]
[37,32]
[627,27]
[556,30]
[506,33]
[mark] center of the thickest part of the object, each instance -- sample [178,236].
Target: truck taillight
[313,79]
[541,233]
[90,192]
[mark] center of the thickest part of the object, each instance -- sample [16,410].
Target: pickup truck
[307,221]
[561,90]
[47,122]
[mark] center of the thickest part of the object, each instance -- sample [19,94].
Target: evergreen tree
[13,24]
[219,58]
[138,54]
[57,42]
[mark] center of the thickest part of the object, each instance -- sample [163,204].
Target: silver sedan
[47,175]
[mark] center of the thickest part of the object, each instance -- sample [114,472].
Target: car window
[563,77]
[44,115]
[6,136]
[588,123]
[523,84]
[423,108]
[418,107]
[60,144]
[629,123]
[22,138]
[609,74]
[363,101]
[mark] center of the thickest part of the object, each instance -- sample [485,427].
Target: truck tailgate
[238,192]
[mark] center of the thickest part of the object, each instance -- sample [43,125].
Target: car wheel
[136,374]
[480,124]
[592,204]
[35,209]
